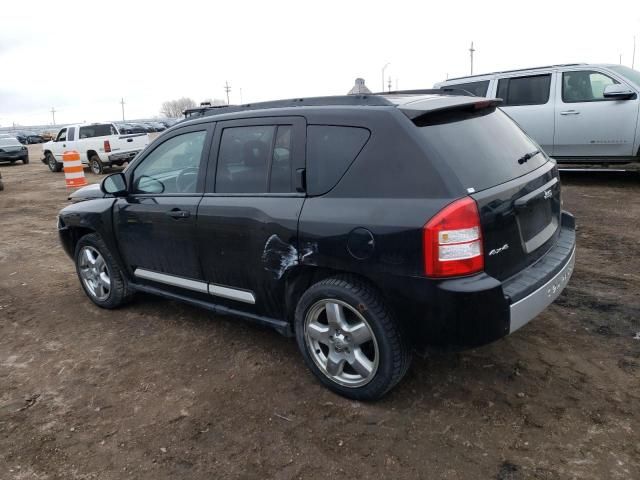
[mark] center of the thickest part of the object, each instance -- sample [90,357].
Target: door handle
[570,112]
[177,213]
[64,145]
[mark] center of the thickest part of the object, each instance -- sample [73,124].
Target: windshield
[7,142]
[482,147]
[632,75]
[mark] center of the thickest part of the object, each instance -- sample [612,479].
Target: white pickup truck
[100,145]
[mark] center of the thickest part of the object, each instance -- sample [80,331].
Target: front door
[589,125]
[155,223]
[248,217]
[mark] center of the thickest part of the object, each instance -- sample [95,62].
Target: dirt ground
[161,390]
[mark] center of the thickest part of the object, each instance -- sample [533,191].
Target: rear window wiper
[527,156]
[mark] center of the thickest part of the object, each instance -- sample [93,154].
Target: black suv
[365,226]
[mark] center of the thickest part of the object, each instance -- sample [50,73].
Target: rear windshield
[481,147]
[102,130]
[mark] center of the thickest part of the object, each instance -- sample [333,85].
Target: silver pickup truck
[100,145]
[578,113]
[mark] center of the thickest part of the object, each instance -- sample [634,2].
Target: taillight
[452,241]
[107,146]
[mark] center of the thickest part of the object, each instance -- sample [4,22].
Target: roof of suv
[411,102]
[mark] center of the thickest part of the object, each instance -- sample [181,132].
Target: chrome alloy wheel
[341,343]
[94,273]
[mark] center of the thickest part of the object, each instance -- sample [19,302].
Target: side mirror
[115,184]
[618,92]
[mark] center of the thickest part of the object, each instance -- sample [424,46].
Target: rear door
[248,218]
[529,100]
[517,190]
[155,223]
[589,125]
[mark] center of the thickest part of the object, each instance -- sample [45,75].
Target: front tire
[100,276]
[53,165]
[96,165]
[25,160]
[349,338]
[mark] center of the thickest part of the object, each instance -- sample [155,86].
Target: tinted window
[482,148]
[330,152]
[584,86]
[102,130]
[172,167]
[524,90]
[479,89]
[62,135]
[71,133]
[243,159]
[280,180]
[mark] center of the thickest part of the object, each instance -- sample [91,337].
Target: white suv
[577,112]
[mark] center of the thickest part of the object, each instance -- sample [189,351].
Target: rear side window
[102,130]
[479,89]
[533,90]
[481,148]
[330,152]
[255,159]
[71,133]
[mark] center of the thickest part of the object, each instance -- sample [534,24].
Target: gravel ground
[161,390]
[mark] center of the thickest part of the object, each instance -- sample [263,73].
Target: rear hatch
[514,183]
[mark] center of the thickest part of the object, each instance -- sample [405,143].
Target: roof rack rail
[516,70]
[337,100]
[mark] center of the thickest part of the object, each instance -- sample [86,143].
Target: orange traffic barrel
[73,169]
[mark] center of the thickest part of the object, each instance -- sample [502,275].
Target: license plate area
[537,224]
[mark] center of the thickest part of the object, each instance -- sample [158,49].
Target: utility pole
[53,113]
[620,59]
[383,69]
[471,50]
[227,89]
[122,103]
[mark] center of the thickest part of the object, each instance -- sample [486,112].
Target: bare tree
[174,108]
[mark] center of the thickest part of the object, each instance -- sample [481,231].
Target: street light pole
[383,69]
[53,113]
[471,50]
[122,103]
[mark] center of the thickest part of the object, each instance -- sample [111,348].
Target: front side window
[62,135]
[479,89]
[584,86]
[172,167]
[532,90]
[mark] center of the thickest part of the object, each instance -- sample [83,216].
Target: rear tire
[25,160]
[53,165]
[95,164]
[349,338]
[100,276]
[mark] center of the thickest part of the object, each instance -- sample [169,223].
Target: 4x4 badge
[496,251]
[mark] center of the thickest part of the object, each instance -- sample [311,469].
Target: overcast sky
[82,57]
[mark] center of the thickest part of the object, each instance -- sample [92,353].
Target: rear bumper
[122,157]
[476,310]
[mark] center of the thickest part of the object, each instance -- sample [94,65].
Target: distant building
[359,88]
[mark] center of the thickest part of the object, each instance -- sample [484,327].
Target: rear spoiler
[422,107]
